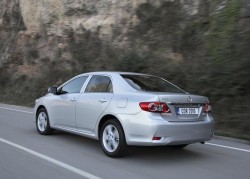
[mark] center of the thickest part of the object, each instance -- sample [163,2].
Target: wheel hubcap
[42,121]
[110,138]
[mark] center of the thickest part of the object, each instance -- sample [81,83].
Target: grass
[232,134]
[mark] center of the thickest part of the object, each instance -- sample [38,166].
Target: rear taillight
[155,107]
[156,138]
[207,108]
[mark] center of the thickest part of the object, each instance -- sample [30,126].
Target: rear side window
[99,84]
[151,84]
[74,86]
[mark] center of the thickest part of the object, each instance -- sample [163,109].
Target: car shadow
[140,154]
[164,154]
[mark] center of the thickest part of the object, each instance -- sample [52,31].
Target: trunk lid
[184,107]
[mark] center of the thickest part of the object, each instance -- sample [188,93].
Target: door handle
[102,100]
[73,100]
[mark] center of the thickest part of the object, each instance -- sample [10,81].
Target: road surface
[24,154]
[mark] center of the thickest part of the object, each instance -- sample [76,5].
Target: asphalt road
[24,154]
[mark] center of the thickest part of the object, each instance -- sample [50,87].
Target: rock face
[201,45]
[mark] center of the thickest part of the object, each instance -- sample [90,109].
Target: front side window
[151,84]
[99,84]
[73,86]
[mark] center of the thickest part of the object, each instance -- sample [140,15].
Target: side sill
[76,131]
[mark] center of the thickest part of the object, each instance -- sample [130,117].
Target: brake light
[207,108]
[156,138]
[155,107]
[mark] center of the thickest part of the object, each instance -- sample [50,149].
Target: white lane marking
[16,110]
[228,147]
[51,160]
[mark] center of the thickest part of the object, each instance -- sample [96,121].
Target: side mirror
[52,90]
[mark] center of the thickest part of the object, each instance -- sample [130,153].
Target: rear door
[92,103]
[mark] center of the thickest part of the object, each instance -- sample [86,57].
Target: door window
[74,86]
[99,84]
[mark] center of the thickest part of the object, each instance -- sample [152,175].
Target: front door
[64,103]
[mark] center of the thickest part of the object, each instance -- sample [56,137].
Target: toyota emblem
[189,99]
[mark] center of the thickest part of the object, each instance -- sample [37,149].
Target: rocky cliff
[201,45]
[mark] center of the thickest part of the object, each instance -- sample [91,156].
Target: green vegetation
[207,54]
[232,134]
[222,30]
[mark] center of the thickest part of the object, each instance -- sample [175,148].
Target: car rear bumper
[141,131]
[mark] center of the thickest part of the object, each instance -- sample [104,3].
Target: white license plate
[187,111]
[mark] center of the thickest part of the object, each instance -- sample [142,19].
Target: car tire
[112,139]
[42,122]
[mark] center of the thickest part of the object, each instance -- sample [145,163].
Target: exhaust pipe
[202,142]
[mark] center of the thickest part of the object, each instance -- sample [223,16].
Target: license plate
[187,111]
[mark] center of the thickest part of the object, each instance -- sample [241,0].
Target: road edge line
[237,140]
[228,147]
[11,109]
[51,160]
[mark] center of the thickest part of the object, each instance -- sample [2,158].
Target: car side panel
[89,108]
[125,104]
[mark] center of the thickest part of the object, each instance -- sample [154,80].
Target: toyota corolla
[121,109]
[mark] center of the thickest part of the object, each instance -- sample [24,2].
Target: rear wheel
[112,139]
[42,122]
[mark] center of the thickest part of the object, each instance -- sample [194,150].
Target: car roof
[112,73]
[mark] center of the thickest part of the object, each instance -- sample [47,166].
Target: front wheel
[42,122]
[112,139]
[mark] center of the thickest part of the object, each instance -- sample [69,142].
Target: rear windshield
[151,84]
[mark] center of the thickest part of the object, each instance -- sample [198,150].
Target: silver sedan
[121,109]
